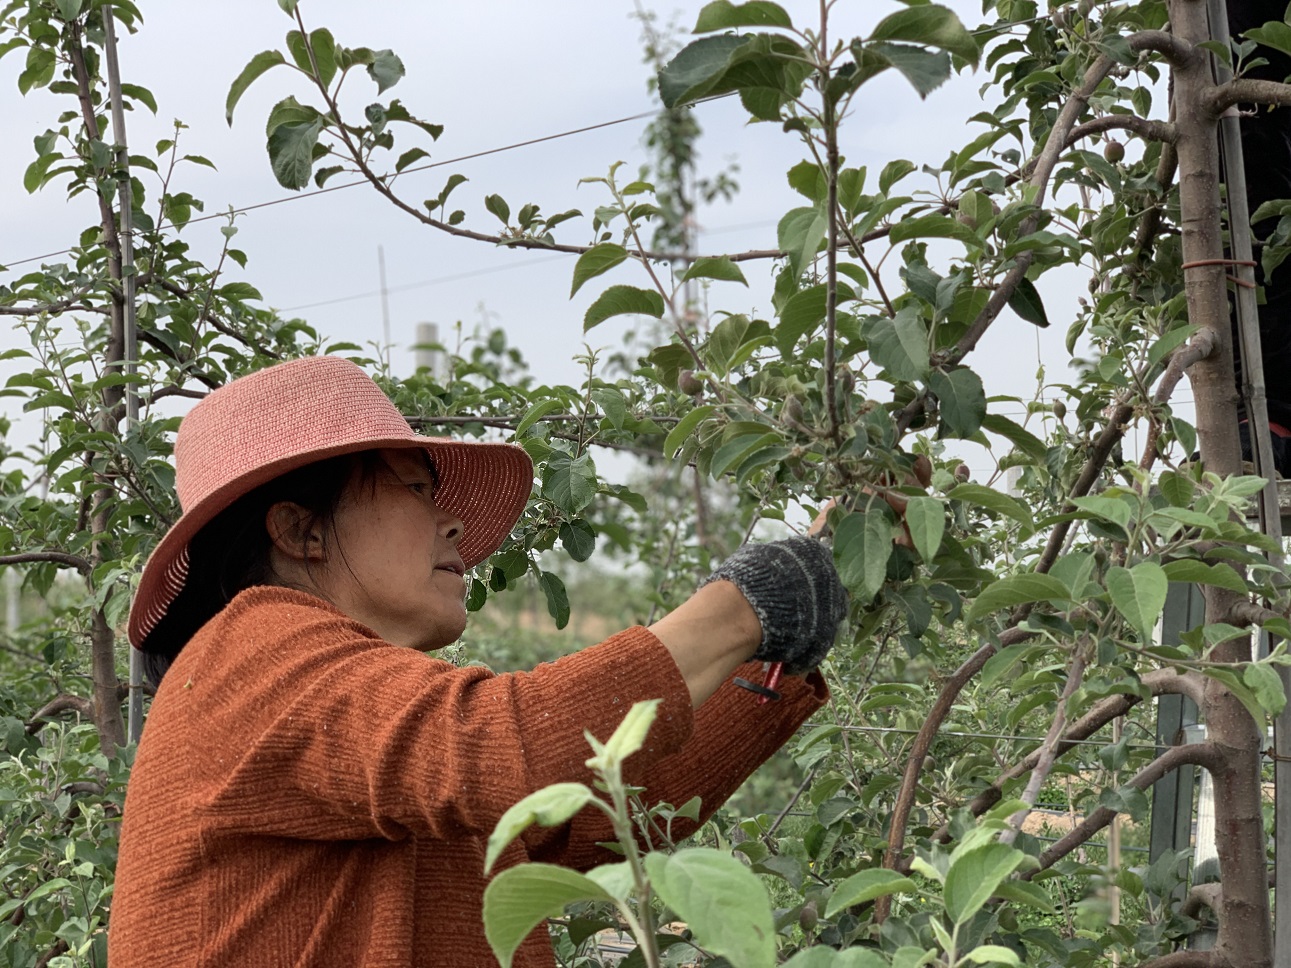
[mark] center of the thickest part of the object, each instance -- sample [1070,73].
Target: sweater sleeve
[302,724]
[733,735]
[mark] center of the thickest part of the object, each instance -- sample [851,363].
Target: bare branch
[1201,896]
[1160,682]
[57,557]
[60,704]
[1145,128]
[1249,90]
[1243,612]
[923,742]
[1181,959]
[1195,754]
[1047,754]
[1174,50]
[1198,348]
[174,391]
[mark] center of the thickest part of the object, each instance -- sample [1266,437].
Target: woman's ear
[287,524]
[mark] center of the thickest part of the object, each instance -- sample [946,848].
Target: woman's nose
[450,526]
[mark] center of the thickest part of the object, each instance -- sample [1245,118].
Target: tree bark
[107,709]
[1245,929]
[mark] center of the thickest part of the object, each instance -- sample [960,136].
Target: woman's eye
[419,487]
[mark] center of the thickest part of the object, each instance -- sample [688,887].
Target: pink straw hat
[263,425]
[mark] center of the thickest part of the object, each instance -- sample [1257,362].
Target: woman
[313,787]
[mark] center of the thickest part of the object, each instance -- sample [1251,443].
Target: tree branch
[1143,127]
[1047,754]
[919,751]
[1160,682]
[60,704]
[1198,348]
[57,557]
[1181,959]
[1204,755]
[1201,896]
[1249,90]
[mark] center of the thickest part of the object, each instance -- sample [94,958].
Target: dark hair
[231,552]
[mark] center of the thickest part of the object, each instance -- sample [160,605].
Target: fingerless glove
[795,591]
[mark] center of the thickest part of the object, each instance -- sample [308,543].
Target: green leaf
[1024,892]
[1272,34]
[900,345]
[893,172]
[142,95]
[629,737]
[696,68]
[569,482]
[862,546]
[255,67]
[684,428]
[410,156]
[724,15]
[623,300]
[722,901]
[1026,302]
[800,315]
[823,956]
[579,539]
[926,70]
[324,48]
[596,260]
[239,291]
[1199,573]
[992,500]
[926,519]
[1019,436]
[291,153]
[1018,590]
[1139,593]
[521,898]
[962,400]
[498,206]
[1108,508]
[934,227]
[1176,488]
[536,413]
[547,807]
[800,233]
[866,886]
[714,267]
[975,876]
[557,597]
[994,954]
[1266,684]
[929,24]
[386,69]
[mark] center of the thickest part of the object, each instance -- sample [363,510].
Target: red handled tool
[767,689]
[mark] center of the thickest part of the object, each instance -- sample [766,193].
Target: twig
[60,704]
[1048,752]
[1198,348]
[1194,754]
[57,557]
[923,742]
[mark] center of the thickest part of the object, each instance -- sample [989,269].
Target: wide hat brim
[261,426]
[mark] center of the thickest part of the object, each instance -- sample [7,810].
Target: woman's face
[392,562]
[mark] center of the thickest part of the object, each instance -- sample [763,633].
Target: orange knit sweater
[307,794]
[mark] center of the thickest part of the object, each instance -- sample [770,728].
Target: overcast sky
[494,73]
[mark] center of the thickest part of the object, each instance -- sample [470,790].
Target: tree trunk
[107,707]
[1245,931]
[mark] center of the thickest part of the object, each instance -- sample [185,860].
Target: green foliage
[859,374]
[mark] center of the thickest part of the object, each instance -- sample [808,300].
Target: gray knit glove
[794,589]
